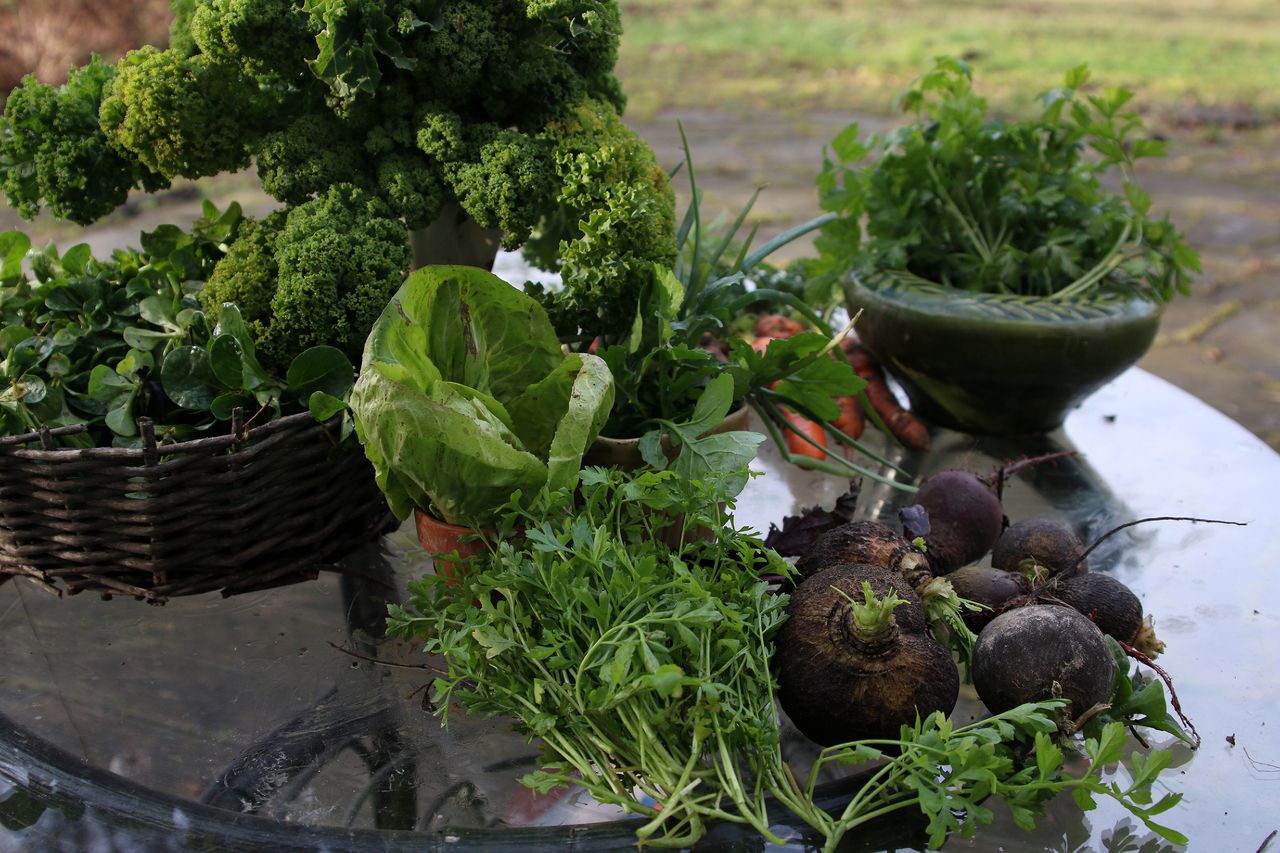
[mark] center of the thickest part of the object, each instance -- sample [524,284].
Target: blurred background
[760,88]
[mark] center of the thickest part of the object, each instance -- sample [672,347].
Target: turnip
[855,663]
[1039,652]
[868,542]
[1033,545]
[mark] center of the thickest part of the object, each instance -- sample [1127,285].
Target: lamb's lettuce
[466,396]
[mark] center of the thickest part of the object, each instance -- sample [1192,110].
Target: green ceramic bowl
[995,364]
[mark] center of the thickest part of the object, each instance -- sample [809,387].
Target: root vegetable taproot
[777,326]
[1110,605]
[904,426]
[1040,652]
[867,542]
[964,519]
[856,664]
[1037,547]
[992,588]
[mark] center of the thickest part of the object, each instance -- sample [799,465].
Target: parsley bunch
[995,206]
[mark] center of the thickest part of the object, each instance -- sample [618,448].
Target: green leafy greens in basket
[99,344]
[998,206]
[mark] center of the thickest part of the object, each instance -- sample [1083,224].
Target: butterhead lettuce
[465,396]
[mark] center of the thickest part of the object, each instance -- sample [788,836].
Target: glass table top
[284,719]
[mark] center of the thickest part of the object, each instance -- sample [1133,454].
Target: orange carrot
[800,424]
[777,326]
[851,421]
[904,426]
[761,343]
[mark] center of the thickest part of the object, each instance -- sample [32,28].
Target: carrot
[777,326]
[851,421]
[800,424]
[903,425]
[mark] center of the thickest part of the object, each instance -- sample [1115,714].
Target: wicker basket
[249,510]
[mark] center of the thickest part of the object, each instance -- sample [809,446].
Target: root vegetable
[851,421]
[799,426]
[867,542]
[903,425]
[1041,652]
[1112,606]
[965,519]
[991,587]
[777,326]
[849,667]
[1032,545]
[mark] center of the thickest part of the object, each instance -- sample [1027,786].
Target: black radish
[965,519]
[855,663]
[992,588]
[868,542]
[1111,605]
[1039,652]
[1037,547]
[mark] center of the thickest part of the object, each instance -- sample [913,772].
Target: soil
[1221,185]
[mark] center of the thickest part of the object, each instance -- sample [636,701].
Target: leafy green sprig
[1137,701]
[948,772]
[653,677]
[995,206]
[663,367]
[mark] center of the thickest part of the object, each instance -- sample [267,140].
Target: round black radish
[817,590]
[849,670]
[991,587]
[1039,652]
[868,542]
[1110,604]
[965,518]
[1039,542]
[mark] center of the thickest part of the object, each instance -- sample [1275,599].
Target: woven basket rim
[14,445]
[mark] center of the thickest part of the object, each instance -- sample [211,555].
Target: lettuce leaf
[465,397]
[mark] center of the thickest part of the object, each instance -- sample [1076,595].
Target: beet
[965,519]
[991,587]
[868,542]
[1025,652]
[850,671]
[1039,542]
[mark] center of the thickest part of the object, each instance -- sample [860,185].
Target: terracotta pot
[439,538]
[624,453]
[995,363]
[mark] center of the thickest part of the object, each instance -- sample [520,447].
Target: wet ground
[1221,186]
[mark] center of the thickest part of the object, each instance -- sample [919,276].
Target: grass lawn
[1178,55]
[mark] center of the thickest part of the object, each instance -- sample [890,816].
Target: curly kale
[265,37]
[180,116]
[507,185]
[248,273]
[341,256]
[624,209]
[320,273]
[310,155]
[54,153]
[507,109]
